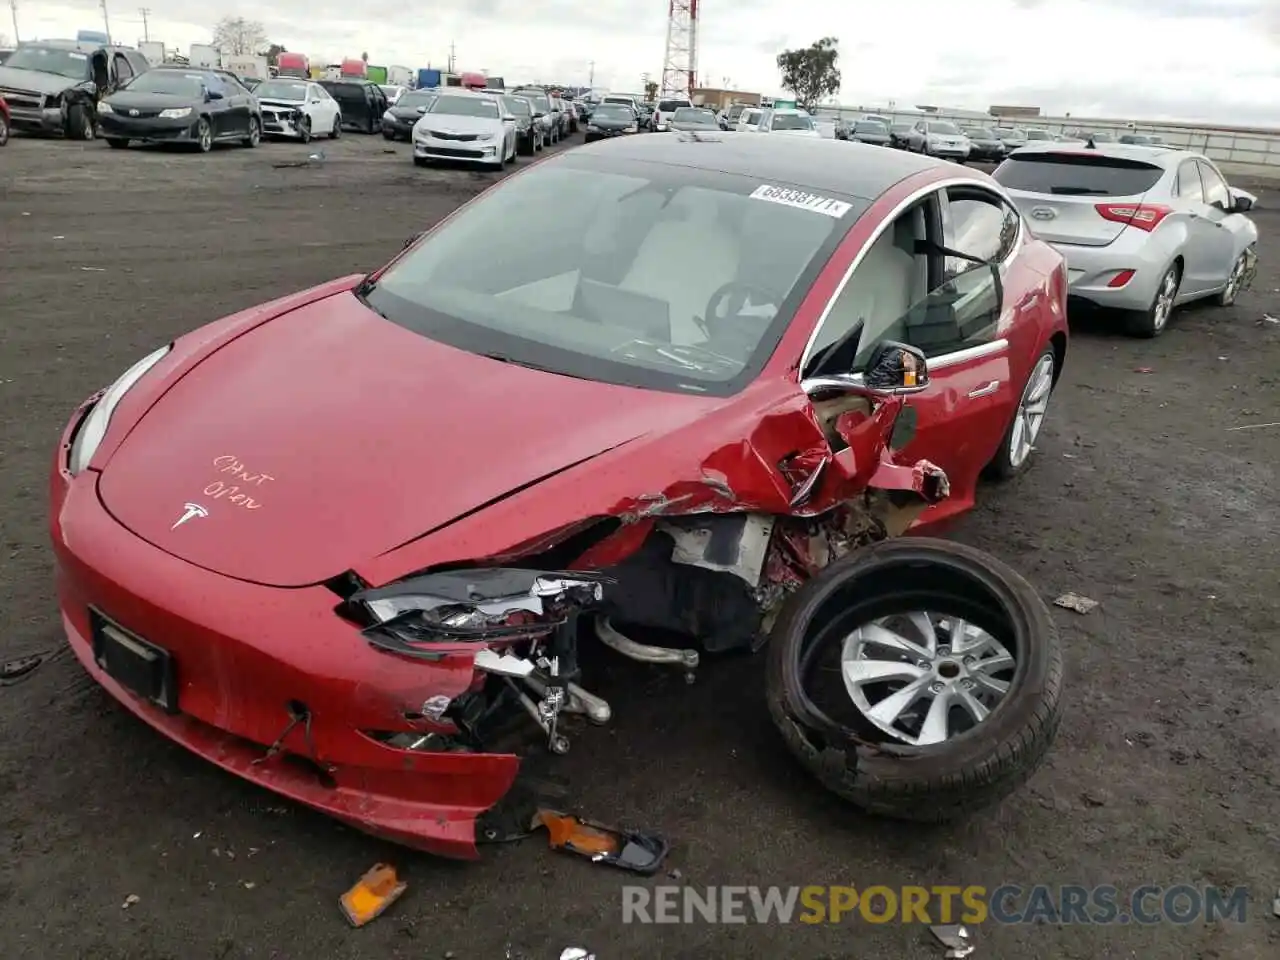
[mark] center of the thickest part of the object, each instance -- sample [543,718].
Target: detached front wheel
[918,679]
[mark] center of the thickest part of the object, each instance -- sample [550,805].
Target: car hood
[126,100]
[608,123]
[451,123]
[37,81]
[329,436]
[408,113]
[798,133]
[281,102]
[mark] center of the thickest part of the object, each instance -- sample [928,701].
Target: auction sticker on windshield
[802,200]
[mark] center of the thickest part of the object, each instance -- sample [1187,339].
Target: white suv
[662,115]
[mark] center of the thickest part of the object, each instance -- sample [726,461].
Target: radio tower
[680,61]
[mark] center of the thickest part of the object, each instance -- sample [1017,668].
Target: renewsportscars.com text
[1006,904]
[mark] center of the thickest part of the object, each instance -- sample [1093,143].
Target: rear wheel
[946,679]
[4,130]
[1155,319]
[255,133]
[1020,439]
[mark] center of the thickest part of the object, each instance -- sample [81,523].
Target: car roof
[855,170]
[1159,154]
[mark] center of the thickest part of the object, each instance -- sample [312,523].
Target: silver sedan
[1143,229]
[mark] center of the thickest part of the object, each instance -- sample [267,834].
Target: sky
[1216,60]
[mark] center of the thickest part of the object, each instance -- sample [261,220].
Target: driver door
[898,291]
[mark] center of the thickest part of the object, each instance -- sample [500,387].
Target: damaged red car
[351,544]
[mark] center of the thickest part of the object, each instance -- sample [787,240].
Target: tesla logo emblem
[1043,213]
[190,512]
[133,113]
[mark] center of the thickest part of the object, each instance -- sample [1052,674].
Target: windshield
[68,63]
[792,121]
[613,111]
[174,82]
[943,127]
[870,126]
[694,115]
[636,283]
[981,133]
[1038,135]
[465,107]
[736,111]
[282,90]
[539,99]
[416,98]
[518,106]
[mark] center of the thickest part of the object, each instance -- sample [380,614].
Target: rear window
[667,106]
[870,126]
[1077,174]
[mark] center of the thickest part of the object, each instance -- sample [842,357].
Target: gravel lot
[1144,497]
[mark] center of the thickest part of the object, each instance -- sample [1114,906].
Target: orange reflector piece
[371,895]
[570,833]
[908,378]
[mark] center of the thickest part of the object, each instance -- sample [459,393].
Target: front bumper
[280,122]
[242,652]
[947,152]
[472,151]
[398,128]
[36,119]
[603,133]
[153,129]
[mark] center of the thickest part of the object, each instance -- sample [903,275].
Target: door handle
[985,391]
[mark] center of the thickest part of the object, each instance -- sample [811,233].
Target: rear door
[1198,253]
[1220,242]
[1067,196]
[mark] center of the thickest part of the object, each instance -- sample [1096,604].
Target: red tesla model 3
[312,541]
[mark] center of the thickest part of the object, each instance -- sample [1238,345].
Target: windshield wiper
[528,364]
[1078,192]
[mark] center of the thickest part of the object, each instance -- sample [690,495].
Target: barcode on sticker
[802,200]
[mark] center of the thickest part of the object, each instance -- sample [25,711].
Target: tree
[239,37]
[651,90]
[811,72]
[273,53]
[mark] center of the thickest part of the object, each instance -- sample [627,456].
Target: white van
[662,115]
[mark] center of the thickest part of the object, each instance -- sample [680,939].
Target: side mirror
[213,95]
[1241,202]
[896,368]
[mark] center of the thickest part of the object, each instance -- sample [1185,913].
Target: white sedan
[298,109]
[473,127]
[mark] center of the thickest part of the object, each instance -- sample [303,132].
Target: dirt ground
[1145,496]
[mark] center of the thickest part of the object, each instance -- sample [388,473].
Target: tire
[1155,319]
[388,134]
[336,132]
[204,135]
[1227,296]
[857,761]
[421,162]
[115,143]
[304,130]
[80,123]
[4,131]
[255,133]
[1010,460]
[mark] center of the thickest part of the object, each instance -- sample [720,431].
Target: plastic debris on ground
[956,938]
[1073,601]
[634,850]
[577,953]
[378,889]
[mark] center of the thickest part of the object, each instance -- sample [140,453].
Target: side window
[1189,186]
[980,225]
[124,71]
[213,83]
[878,296]
[1215,188]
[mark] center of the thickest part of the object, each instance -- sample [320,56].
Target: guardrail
[1236,150]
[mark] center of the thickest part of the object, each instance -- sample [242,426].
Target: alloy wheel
[1233,282]
[1031,410]
[1165,296]
[923,678]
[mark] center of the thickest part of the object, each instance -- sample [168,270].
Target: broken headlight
[94,426]
[486,604]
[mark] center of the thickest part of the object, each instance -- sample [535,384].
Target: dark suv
[363,103]
[54,86]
